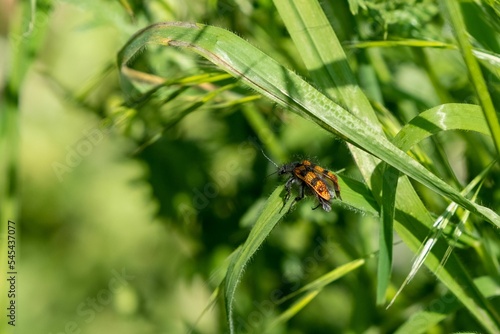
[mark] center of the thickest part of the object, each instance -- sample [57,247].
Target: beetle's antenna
[272,173]
[269,158]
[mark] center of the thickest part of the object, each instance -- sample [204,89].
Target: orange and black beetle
[313,177]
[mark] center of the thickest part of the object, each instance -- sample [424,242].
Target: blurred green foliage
[131,205]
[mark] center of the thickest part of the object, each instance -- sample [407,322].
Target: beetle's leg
[288,187]
[336,187]
[302,192]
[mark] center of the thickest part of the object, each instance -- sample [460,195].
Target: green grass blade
[295,308]
[483,55]
[384,268]
[324,56]
[312,289]
[438,229]
[265,134]
[407,42]
[426,247]
[326,279]
[459,228]
[454,16]
[440,309]
[271,214]
[452,116]
[357,196]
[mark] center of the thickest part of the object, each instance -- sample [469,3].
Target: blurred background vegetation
[129,210]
